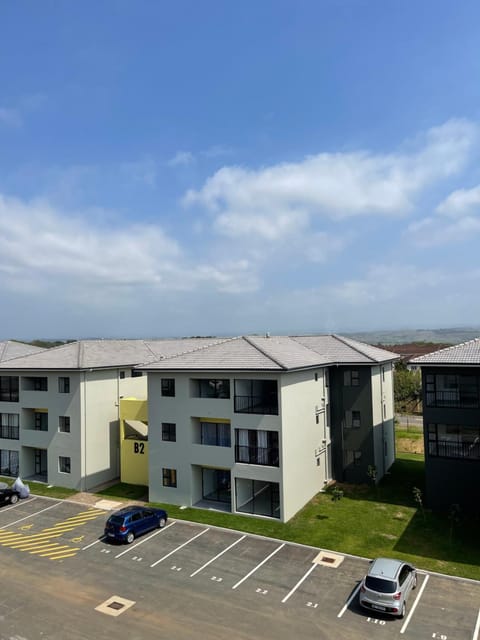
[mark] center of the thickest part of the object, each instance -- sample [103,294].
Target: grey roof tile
[466,353]
[12,349]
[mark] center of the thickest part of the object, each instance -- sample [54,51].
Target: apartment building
[259,425]
[451,420]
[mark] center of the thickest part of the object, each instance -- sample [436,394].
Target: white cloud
[461,202]
[333,185]
[10,117]
[182,159]
[432,232]
[42,248]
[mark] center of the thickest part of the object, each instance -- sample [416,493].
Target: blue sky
[216,167]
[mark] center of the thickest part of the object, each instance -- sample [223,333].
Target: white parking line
[52,506]
[299,583]
[134,546]
[217,556]
[14,506]
[347,604]
[178,548]
[422,588]
[477,627]
[258,566]
[93,543]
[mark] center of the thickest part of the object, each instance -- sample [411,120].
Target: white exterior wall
[185,455]
[93,442]
[304,442]
[383,417]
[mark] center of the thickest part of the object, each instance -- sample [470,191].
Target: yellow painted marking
[9,535]
[27,540]
[26,526]
[56,555]
[52,547]
[78,539]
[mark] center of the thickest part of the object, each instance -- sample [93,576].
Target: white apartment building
[259,425]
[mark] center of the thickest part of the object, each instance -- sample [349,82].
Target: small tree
[454,515]
[337,494]
[372,473]
[418,497]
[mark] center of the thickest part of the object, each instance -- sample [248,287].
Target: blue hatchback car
[128,523]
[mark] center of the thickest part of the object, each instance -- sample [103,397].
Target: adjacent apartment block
[259,425]
[451,420]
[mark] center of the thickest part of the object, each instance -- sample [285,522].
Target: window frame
[64,464]
[169,478]
[63,384]
[169,432]
[64,424]
[167,387]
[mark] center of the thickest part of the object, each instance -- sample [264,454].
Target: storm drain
[329,559]
[115,605]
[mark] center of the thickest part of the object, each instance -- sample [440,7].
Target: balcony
[257,455]
[256,396]
[451,449]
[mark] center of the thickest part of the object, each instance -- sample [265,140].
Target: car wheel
[130,537]
[161,523]
[13,498]
[404,609]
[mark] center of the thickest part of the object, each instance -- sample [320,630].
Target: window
[169,431]
[316,377]
[64,464]
[122,375]
[41,421]
[384,411]
[169,477]
[454,441]
[256,396]
[63,384]
[64,424]
[351,378]
[168,387]
[40,384]
[216,434]
[9,426]
[208,388]
[352,420]
[8,462]
[352,457]
[136,373]
[256,447]
[9,388]
[452,390]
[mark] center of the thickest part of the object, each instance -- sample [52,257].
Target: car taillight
[123,529]
[397,596]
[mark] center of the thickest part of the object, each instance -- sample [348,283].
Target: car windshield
[380,585]
[116,520]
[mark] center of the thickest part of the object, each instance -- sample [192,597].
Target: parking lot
[190,580]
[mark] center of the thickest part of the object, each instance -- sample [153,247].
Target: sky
[226,168]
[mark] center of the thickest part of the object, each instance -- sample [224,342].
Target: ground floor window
[258,497]
[64,464]
[453,441]
[8,462]
[169,477]
[216,485]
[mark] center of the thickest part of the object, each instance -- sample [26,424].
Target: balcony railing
[449,449]
[455,398]
[263,404]
[9,432]
[257,455]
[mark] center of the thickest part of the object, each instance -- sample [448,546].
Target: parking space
[258,574]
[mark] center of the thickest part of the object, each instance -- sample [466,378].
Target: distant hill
[437,337]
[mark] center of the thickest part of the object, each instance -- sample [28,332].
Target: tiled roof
[11,349]
[460,354]
[256,353]
[93,354]
[275,353]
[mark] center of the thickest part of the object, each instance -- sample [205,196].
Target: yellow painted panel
[134,462]
[216,420]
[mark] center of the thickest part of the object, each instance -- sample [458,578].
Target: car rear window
[380,585]
[116,519]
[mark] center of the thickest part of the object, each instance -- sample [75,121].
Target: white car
[387,586]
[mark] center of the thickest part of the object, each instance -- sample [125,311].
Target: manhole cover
[114,606]
[328,558]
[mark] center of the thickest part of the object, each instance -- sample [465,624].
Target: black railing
[263,404]
[257,455]
[449,449]
[461,399]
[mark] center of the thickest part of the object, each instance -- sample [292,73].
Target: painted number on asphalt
[314,605]
[263,592]
[439,636]
[376,621]
[175,568]
[215,579]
